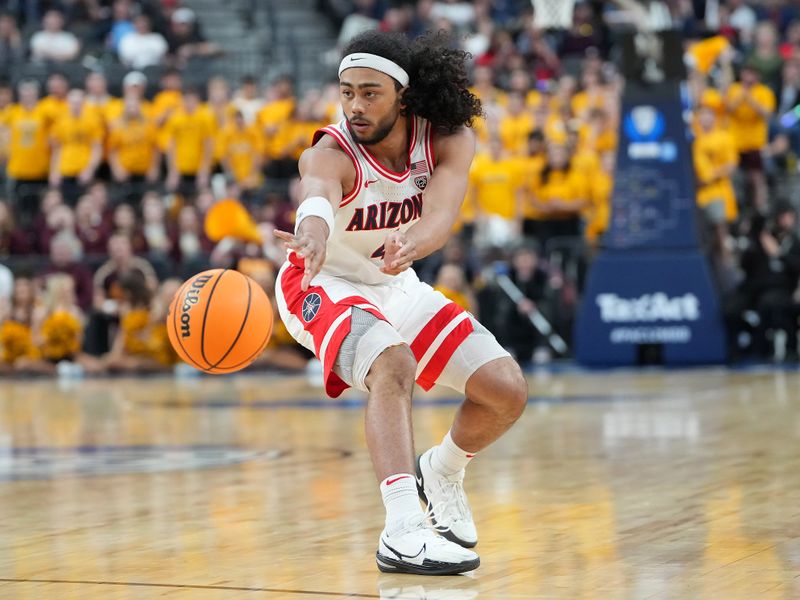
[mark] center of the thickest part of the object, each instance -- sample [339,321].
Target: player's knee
[360,353]
[395,366]
[501,386]
[517,392]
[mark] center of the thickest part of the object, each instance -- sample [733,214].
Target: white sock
[449,459]
[400,498]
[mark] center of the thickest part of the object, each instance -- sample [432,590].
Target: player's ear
[400,93]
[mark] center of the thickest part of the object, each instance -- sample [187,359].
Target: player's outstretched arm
[441,203]
[324,173]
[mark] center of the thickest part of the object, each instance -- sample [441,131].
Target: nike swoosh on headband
[378,63]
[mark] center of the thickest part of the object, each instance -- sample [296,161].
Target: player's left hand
[307,247]
[399,253]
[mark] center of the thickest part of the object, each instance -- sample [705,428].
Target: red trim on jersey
[433,327]
[327,314]
[344,145]
[429,148]
[388,173]
[438,361]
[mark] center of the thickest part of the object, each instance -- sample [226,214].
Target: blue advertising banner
[650,292]
[649,298]
[654,190]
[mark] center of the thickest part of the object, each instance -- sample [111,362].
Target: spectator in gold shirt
[516,125]
[133,86]
[29,150]
[190,142]
[133,153]
[715,160]
[219,111]
[560,193]
[77,139]
[6,102]
[240,147]
[494,182]
[97,96]
[54,105]
[278,109]
[750,105]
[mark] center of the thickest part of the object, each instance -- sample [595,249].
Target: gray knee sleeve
[369,336]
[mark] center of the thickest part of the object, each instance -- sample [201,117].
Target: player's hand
[307,247]
[399,253]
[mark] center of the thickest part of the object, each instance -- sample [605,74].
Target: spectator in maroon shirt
[65,253]
[160,236]
[50,200]
[61,218]
[127,223]
[12,239]
[121,260]
[193,247]
[99,191]
[92,230]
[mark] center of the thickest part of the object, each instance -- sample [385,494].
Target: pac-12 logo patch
[421,182]
[311,304]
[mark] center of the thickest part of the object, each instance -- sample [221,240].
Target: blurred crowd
[107,184]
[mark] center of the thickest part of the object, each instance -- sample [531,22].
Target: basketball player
[382,189]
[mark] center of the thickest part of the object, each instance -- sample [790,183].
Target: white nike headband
[373,61]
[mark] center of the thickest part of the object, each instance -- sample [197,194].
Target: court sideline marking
[192,586]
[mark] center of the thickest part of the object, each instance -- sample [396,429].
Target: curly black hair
[438,83]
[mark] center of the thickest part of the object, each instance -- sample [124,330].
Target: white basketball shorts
[449,345]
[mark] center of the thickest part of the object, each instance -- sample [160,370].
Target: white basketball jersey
[380,202]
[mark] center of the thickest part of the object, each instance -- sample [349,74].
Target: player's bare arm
[442,202]
[324,173]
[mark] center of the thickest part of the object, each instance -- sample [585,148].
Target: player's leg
[496,394]
[390,438]
[451,347]
[373,357]
[359,348]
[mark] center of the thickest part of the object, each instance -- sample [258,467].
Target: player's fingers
[308,275]
[401,265]
[404,252]
[283,235]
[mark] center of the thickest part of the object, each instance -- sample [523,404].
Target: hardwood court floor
[621,485]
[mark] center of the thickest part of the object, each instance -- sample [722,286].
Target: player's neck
[392,151]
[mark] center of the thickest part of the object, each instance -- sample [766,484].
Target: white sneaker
[416,548]
[446,500]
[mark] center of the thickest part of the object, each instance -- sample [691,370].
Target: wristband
[316,206]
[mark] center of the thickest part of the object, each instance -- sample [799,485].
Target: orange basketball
[219,321]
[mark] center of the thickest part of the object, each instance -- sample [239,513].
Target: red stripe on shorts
[321,323]
[436,364]
[433,327]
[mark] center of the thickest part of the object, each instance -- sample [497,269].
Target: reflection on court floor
[621,485]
